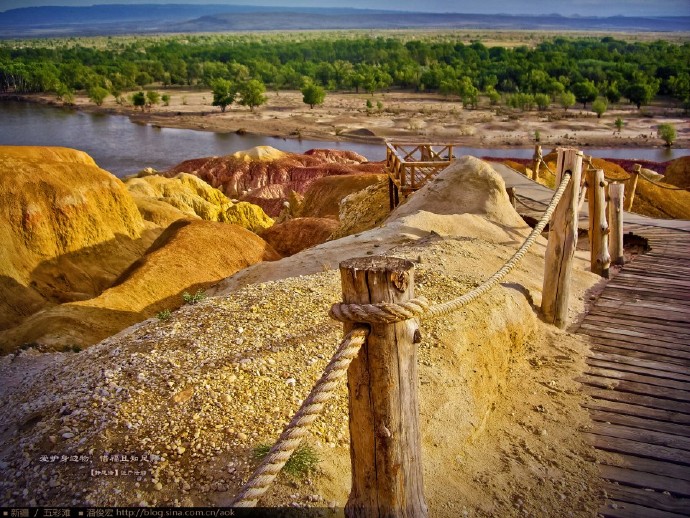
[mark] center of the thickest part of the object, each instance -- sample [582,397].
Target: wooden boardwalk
[639,379]
[638,373]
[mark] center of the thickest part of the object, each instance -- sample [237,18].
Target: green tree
[612,94]
[166,99]
[619,124]
[313,94]
[494,96]
[585,92]
[542,101]
[667,133]
[599,106]
[152,98]
[62,91]
[139,100]
[98,94]
[567,100]
[143,78]
[223,93]
[640,93]
[252,94]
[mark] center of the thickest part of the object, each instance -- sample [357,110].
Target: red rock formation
[295,235]
[252,175]
[324,195]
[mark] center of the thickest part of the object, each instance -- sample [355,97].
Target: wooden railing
[410,166]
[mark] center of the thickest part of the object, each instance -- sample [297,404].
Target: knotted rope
[381,313]
[293,434]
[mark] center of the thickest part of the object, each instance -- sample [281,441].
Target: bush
[667,133]
[163,315]
[188,298]
[97,94]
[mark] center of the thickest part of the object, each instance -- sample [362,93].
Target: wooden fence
[410,166]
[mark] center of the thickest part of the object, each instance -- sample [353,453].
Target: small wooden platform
[639,379]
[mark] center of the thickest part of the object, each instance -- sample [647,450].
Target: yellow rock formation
[67,228]
[259,153]
[163,200]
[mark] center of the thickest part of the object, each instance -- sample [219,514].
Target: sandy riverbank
[404,116]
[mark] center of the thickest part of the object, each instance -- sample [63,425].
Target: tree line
[587,69]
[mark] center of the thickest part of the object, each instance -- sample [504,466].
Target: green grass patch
[302,461]
[188,298]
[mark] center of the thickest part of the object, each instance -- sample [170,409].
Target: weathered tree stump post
[633,185]
[385,440]
[558,262]
[598,227]
[536,162]
[511,196]
[616,196]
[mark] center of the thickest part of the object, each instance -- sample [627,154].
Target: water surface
[123,147]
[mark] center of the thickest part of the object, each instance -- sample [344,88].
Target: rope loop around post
[383,313]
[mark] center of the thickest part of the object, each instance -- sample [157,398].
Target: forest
[559,69]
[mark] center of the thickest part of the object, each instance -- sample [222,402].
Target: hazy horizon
[565,8]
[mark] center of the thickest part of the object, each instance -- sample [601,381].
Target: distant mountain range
[114,19]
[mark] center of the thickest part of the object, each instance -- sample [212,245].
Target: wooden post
[558,262]
[511,196]
[385,440]
[616,196]
[635,177]
[536,162]
[598,227]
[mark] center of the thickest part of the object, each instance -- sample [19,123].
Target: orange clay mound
[155,282]
[295,235]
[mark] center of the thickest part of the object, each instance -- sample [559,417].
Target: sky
[564,7]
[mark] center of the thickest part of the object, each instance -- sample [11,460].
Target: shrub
[667,133]
[163,315]
[188,298]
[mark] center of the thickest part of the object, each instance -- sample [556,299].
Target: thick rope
[547,167]
[293,434]
[663,186]
[387,313]
[535,209]
[382,313]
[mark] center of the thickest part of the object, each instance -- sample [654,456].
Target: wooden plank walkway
[638,373]
[639,379]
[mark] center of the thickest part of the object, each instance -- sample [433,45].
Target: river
[122,147]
